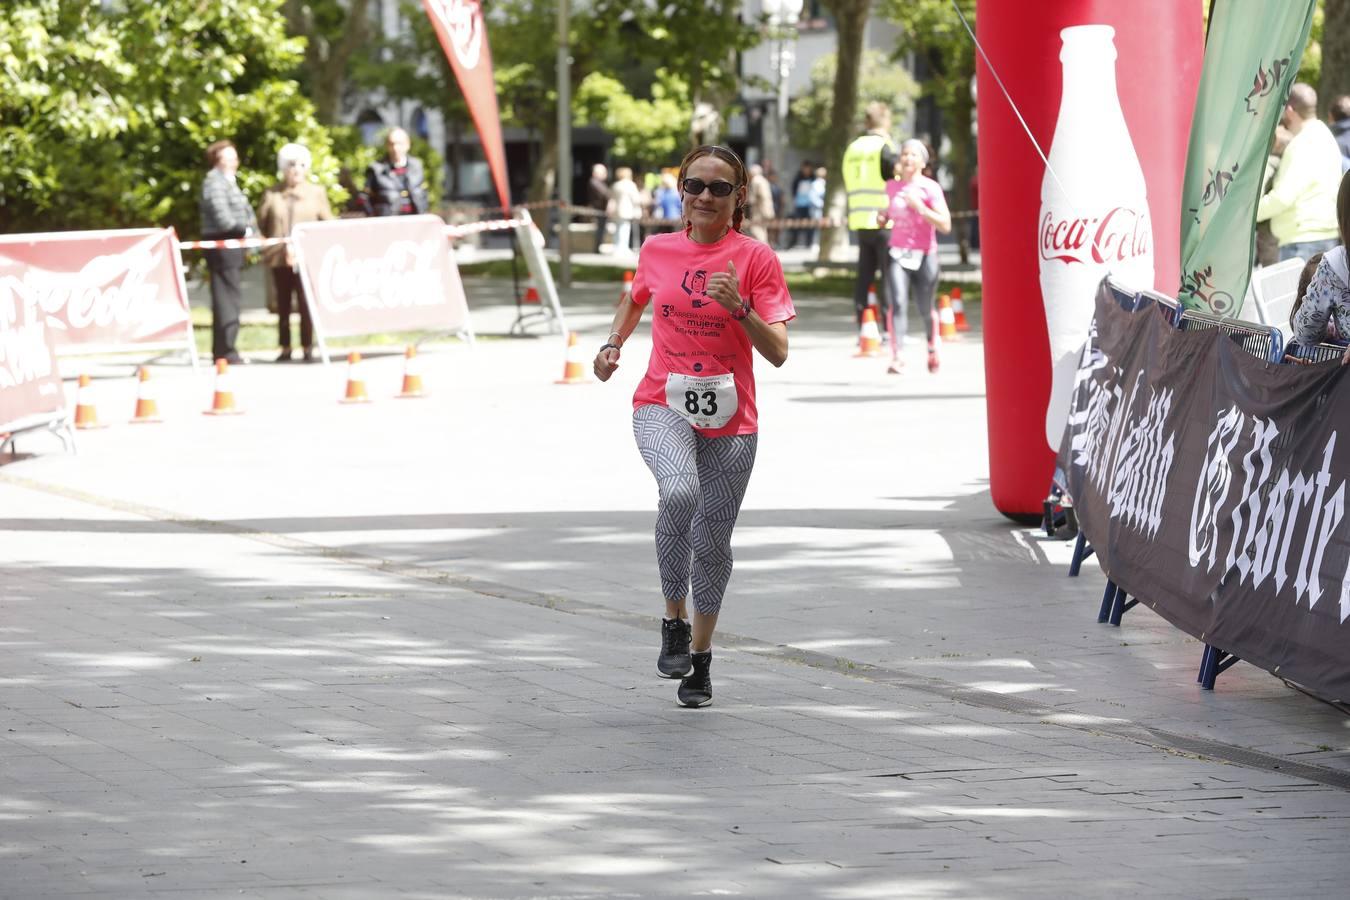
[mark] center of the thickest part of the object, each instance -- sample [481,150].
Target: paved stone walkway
[408,650]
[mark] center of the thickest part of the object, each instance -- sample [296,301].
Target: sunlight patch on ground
[841,642]
[899,890]
[979,663]
[1013,687]
[957,730]
[115,660]
[997,812]
[1079,719]
[852,712]
[391,754]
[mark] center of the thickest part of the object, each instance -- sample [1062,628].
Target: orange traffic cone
[86,416]
[147,406]
[412,375]
[627,286]
[574,371]
[531,294]
[356,385]
[869,337]
[872,300]
[946,321]
[959,310]
[222,403]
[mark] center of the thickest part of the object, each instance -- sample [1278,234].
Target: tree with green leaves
[105,111]
[932,30]
[658,59]
[850,19]
[880,79]
[334,31]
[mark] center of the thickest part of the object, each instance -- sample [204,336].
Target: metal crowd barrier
[1317,353]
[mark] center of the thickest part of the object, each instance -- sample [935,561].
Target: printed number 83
[691,399]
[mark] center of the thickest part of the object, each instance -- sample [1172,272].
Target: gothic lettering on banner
[1213,487]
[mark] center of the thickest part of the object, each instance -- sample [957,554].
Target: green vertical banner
[1252,53]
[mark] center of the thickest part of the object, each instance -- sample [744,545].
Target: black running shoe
[674,659]
[696,687]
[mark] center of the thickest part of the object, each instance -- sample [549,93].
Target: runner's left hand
[725,288]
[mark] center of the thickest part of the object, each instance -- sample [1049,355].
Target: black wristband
[605,346]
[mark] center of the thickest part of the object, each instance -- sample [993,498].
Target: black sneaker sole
[687,705]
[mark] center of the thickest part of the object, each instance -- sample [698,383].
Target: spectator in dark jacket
[1340,127]
[226,215]
[397,184]
[598,196]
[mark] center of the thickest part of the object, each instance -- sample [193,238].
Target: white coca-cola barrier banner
[385,274]
[30,384]
[98,290]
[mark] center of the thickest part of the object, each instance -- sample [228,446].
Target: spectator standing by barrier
[226,214]
[721,296]
[779,210]
[1324,309]
[869,162]
[292,200]
[666,202]
[817,205]
[1340,128]
[1301,204]
[397,184]
[801,206]
[627,209]
[598,197]
[761,204]
[916,212]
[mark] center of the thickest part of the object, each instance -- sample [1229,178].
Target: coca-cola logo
[24,354]
[406,275]
[109,290]
[1119,235]
[463,19]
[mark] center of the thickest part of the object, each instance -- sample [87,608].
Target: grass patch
[257,337]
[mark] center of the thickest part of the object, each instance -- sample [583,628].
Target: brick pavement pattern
[395,652]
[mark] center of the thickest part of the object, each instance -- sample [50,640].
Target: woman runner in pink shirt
[716,295]
[916,212]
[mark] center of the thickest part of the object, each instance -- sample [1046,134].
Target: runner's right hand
[606,361]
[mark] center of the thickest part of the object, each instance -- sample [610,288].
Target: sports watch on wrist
[743,311]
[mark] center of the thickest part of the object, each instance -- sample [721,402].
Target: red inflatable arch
[1158,46]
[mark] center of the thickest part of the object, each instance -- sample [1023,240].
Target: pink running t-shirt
[909,230]
[694,339]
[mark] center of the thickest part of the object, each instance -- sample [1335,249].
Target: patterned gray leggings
[701,481]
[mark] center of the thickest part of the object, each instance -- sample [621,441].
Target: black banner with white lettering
[1212,487]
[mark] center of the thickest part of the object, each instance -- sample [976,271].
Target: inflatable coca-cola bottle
[1094,215]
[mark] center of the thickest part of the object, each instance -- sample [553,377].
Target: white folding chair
[1273,291]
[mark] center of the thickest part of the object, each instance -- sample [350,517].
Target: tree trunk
[327,60]
[850,18]
[1335,52]
[543,178]
[959,133]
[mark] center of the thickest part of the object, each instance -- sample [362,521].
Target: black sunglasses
[694,186]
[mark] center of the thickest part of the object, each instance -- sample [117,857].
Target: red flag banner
[99,290]
[364,276]
[463,36]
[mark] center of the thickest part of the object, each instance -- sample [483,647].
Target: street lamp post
[783,17]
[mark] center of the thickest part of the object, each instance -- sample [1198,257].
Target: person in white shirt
[627,209]
[1301,204]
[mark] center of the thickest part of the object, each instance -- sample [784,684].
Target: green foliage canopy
[105,113]
[880,79]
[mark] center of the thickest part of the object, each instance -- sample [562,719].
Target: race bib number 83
[706,403]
